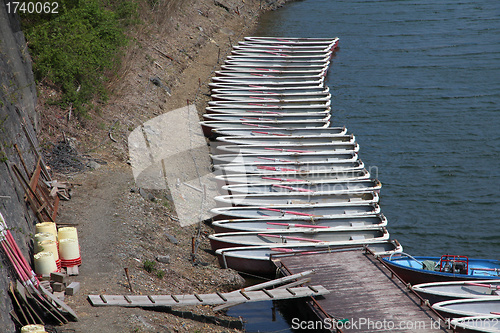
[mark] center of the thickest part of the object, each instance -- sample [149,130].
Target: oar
[277,54]
[283,250]
[485,269]
[291,150]
[483,285]
[267,69]
[266,112]
[262,75]
[287,211]
[495,313]
[292,238]
[275,168]
[268,133]
[255,118]
[263,92]
[274,159]
[258,125]
[284,179]
[292,188]
[265,98]
[297,225]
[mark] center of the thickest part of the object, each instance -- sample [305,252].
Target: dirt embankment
[170,59]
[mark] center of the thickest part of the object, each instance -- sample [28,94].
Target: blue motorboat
[415,270]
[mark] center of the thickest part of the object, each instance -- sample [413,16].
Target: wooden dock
[364,292]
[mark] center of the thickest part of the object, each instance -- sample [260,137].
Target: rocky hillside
[17,117]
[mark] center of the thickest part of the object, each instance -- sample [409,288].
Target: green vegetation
[3,157]
[149,266]
[77,48]
[160,274]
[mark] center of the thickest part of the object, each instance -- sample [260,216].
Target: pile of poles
[33,303]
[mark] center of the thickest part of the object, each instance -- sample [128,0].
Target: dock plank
[362,291]
[206,299]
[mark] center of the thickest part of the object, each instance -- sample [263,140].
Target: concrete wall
[17,105]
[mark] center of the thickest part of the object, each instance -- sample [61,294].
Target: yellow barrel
[45,263]
[67,232]
[40,237]
[49,246]
[49,227]
[68,249]
[33,328]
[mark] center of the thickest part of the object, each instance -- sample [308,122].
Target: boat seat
[357,237]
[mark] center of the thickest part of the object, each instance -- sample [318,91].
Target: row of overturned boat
[290,182]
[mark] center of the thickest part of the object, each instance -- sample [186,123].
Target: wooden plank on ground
[206,299]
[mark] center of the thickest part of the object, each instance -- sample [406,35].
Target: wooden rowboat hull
[269,158]
[291,212]
[292,198]
[290,99]
[257,111]
[288,56]
[328,237]
[208,126]
[272,91]
[271,74]
[268,86]
[311,167]
[238,225]
[311,69]
[272,141]
[446,291]
[324,148]
[304,105]
[334,186]
[277,60]
[291,40]
[258,260]
[296,49]
[289,177]
[282,81]
[245,62]
[283,132]
[468,307]
[286,117]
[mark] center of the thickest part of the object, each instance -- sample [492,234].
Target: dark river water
[418,84]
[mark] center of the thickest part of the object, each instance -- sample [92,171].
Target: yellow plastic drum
[67,232]
[34,328]
[49,246]
[49,227]
[68,249]
[42,236]
[45,263]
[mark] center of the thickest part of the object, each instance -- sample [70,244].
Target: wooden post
[128,280]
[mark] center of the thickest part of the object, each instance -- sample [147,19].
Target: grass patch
[160,274]
[79,47]
[149,266]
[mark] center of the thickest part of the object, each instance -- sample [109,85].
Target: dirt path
[119,226]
